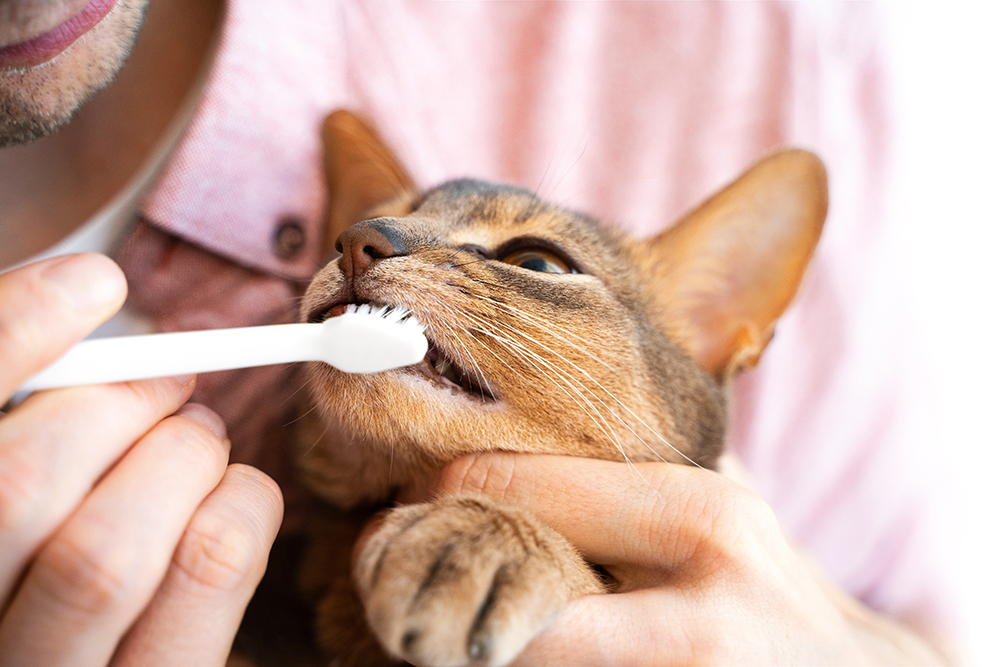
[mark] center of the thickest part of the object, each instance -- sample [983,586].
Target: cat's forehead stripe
[469,201]
[482,213]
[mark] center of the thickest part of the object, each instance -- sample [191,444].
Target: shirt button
[289,238]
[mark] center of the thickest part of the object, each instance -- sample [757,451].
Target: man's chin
[17,129]
[37,101]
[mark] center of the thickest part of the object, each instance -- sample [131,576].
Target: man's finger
[648,515]
[48,306]
[194,616]
[96,574]
[56,444]
[637,629]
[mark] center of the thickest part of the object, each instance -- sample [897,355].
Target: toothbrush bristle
[394,314]
[358,308]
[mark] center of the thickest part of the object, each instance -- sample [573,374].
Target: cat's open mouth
[446,374]
[442,371]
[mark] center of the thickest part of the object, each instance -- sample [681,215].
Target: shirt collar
[246,179]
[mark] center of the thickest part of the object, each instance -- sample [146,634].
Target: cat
[548,333]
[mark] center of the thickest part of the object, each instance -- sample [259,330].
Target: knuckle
[16,335]
[89,567]
[22,349]
[26,304]
[218,554]
[755,511]
[703,521]
[457,476]
[492,474]
[722,524]
[22,492]
[190,440]
[155,394]
[35,323]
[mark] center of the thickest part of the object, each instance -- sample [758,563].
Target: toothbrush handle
[158,355]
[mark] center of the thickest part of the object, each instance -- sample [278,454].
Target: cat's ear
[726,272]
[361,172]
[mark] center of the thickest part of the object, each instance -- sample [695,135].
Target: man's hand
[704,574]
[124,536]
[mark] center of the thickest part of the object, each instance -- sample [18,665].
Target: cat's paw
[466,579]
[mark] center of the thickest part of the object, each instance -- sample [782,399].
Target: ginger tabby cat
[548,333]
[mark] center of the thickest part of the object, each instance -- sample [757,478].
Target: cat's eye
[538,259]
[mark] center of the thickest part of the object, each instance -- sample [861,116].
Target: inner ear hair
[723,275]
[361,173]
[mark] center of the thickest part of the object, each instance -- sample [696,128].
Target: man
[126,538]
[39,100]
[171,562]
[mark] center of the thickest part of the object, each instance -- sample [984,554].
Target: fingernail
[89,281]
[206,416]
[184,380]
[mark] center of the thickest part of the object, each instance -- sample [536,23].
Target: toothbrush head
[369,340]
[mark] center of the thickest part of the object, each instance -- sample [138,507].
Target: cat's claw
[466,580]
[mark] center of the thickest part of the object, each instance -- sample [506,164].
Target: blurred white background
[946,60]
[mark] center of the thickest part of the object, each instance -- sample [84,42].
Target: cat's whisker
[538,188]
[608,429]
[587,410]
[523,316]
[481,380]
[453,255]
[584,387]
[622,404]
[475,261]
[595,396]
[590,410]
[569,169]
[523,350]
[295,393]
[318,440]
[508,345]
[496,286]
[547,327]
[302,416]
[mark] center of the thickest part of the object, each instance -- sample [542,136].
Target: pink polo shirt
[633,112]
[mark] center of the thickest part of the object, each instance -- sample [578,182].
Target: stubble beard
[37,101]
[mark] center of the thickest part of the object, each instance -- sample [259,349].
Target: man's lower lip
[49,45]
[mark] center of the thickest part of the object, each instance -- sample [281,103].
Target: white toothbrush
[362,340]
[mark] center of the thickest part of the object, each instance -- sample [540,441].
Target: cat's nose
[366,242]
